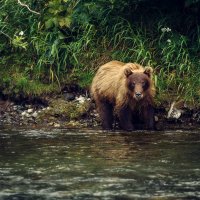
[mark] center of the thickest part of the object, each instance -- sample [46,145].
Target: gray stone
[35,114]
[30,110]
[23,113]
[68,96]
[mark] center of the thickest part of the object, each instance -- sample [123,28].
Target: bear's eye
[143,84]
[132,86]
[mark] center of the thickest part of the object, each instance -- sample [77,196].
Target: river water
[92,164]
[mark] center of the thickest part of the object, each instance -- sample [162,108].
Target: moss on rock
[64,110]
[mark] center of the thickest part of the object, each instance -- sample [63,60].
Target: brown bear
[126,89]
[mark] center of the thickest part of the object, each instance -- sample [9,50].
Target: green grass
[71,39]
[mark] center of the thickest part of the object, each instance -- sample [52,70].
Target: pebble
[35,114]
[27,115]
[23,113]
[15,107]
[43,109]
[30,110]
[56,125]
[156,118]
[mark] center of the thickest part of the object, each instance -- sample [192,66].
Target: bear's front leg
[149,117]
[106,114]
[125,119]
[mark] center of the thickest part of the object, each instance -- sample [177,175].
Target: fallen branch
[24,5]
[171,109]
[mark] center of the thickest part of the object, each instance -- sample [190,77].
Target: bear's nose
[138,94]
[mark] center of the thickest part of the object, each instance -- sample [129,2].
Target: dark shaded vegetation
[41,54]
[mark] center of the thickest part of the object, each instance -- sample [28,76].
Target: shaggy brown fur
[111,90]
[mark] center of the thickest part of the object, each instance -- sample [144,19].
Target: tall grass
[70,39]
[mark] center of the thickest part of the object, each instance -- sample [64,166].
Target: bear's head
[138,82]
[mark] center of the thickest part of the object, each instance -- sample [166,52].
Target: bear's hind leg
[106,114]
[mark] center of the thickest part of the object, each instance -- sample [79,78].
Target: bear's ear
[127,72]
[148,71]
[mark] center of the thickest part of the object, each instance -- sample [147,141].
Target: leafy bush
[69,39]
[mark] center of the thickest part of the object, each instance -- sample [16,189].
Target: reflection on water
[91,164]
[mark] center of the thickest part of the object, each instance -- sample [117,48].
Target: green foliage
[71,38]
[191,2]
[19,84]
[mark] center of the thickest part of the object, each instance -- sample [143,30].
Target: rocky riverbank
[67,110]
[78,111]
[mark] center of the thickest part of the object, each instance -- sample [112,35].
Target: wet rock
[72,124]
[15,107]
[156,118]
[30,110]
[28,115]
[23,113]
[62,112]
[68,96]
[56,125]
[27,106]
[68,110]
[35,114]
[51,123]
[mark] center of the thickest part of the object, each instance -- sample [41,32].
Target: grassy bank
[47,46]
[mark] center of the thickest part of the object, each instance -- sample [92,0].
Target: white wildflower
[169,41]
[81,99]
[163,30]
[21,33]
[167,29]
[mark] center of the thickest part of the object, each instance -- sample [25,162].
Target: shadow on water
[91,164]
